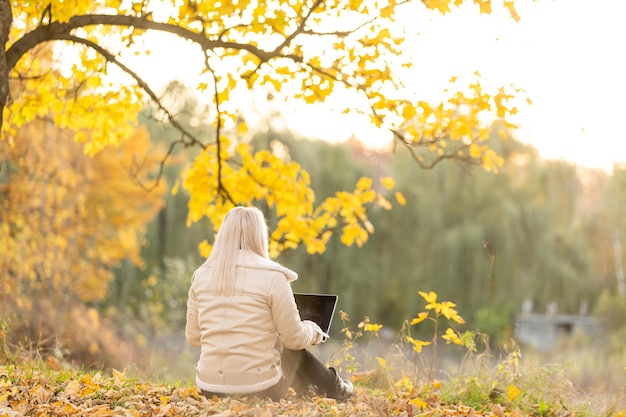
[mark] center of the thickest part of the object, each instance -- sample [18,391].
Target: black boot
[343,387]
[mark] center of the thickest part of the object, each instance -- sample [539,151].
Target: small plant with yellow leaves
[376,353]
[440,309]
[347,360]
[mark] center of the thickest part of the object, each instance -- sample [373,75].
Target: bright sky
[567,54]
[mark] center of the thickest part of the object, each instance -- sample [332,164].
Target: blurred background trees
[539,230]
[114,260]
[67,221]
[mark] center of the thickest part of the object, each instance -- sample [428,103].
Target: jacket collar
[252,260]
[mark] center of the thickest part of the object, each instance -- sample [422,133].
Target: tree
[310,49]
[616,204]
[66,220]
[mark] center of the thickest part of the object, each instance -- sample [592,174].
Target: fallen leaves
[26,391]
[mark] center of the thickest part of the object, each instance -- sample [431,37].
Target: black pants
[300,370]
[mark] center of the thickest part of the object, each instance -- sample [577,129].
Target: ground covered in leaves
[32,390]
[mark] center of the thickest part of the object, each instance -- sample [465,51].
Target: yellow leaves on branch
[458,126]
[441,308]
[420,318]
[418,345]
[484,6]
[256,45]
[249,177]
[367,326]
[263,47]
[451,337]
[88,103]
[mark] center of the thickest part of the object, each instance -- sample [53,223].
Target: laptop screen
[317,307]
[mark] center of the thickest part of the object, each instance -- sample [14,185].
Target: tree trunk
[6,19]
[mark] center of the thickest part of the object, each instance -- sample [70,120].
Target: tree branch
[6,20]
[429,165]
[170,117]
[299,29]
[57,30]
[221,189]
[411,145]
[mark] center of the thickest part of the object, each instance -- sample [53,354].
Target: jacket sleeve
[192,329]
[292,331]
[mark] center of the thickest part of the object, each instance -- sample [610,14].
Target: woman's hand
[320,335]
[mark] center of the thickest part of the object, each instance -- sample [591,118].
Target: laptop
[319,308]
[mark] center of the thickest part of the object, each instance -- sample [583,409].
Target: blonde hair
[243,228]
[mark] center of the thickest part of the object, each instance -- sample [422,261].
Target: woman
[242,314]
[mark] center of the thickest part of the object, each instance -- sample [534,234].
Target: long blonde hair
[243,228]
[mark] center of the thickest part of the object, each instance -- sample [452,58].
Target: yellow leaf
[441,5]
[353,234]
[421,404]
[454,316]
[474,150]
[417,344]
[205,248]
[452,337]
[512,392]
[176,187]
[364,183]
[388,182]
[510,5]
[89,381]
[242,128]
[420,318]
[381,361]
[430,297]
[70,409]
[400,198]
[405,383]
[371,327]
[93,82]
[409,112]
[484,5]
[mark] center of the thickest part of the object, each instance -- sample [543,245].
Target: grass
[51,388]
[387,385]
[440,376]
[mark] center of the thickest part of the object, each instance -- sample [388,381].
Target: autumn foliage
[67,220]
[306,50]
[60,208]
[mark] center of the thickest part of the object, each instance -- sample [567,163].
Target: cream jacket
[241,336]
